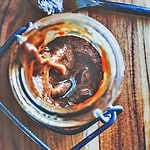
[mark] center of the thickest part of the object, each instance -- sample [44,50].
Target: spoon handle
[125,8]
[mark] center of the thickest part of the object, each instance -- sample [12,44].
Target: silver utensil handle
[125,8]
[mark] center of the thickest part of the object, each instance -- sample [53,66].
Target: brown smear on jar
[65,72]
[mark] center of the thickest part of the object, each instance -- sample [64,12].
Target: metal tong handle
[124,8]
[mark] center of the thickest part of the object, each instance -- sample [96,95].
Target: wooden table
[131,131]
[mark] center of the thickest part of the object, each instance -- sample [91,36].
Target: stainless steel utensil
[50,6]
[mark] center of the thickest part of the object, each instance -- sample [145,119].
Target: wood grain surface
[131,131]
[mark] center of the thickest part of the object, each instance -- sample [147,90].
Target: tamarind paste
[65,72]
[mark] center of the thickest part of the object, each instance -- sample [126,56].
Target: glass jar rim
[97,33]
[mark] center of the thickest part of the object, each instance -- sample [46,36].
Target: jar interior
[66,65]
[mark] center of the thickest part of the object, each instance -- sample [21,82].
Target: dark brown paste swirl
[65,72]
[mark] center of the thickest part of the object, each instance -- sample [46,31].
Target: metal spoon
[53,6]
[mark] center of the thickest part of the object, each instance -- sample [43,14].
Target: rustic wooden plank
[145,77]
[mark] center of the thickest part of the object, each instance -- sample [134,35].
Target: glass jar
[42,33]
